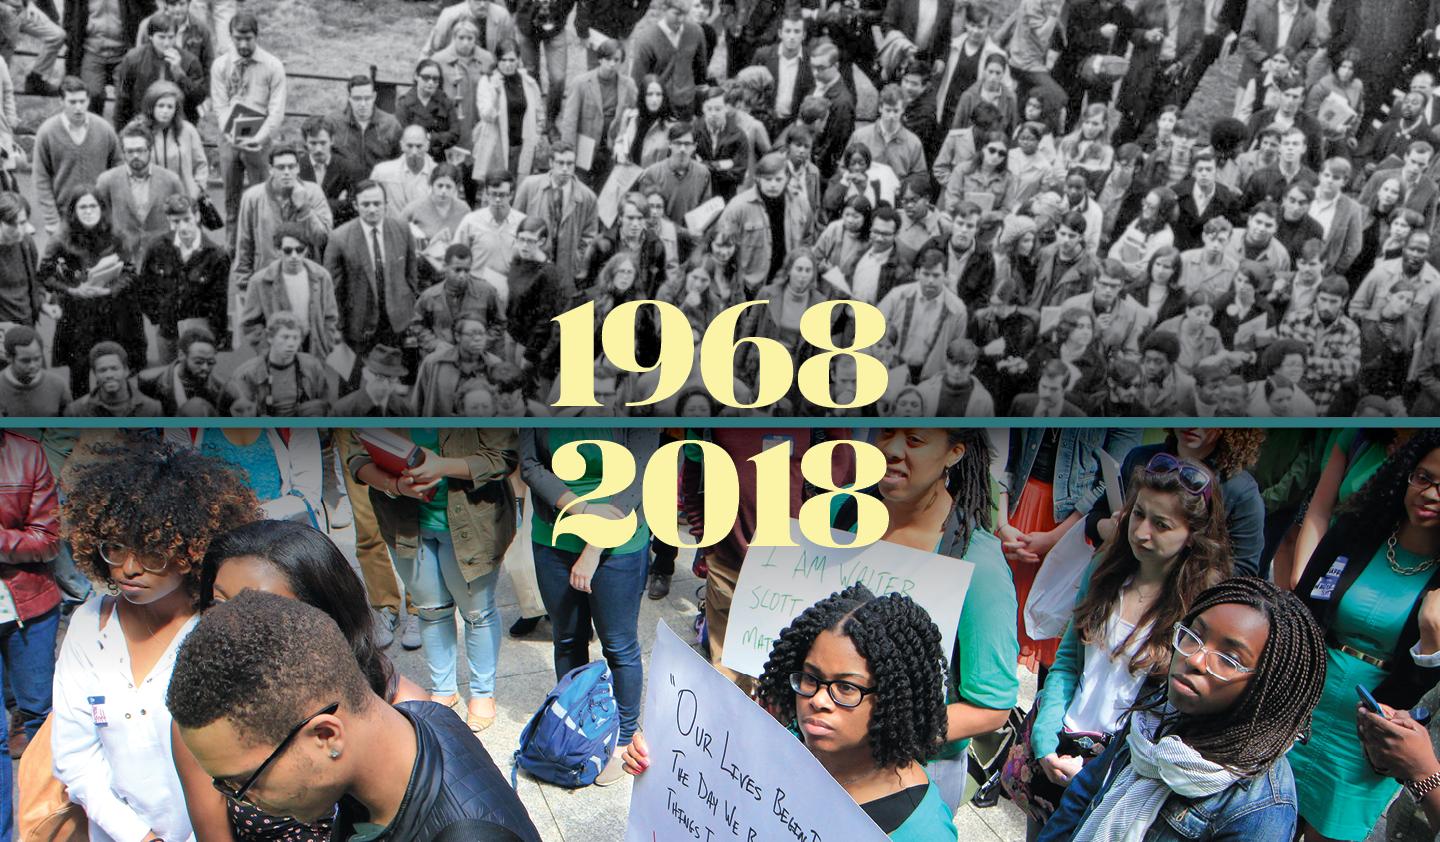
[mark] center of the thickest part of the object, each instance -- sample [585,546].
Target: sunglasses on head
[1192,478]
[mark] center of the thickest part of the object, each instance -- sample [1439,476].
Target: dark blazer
[77,20]
[769,57]
[838,128]
[904,15]
[339,186]
[1190,221]
[171,289]
[1145,63]
[347,259]
[731,144]
[1406,681]
[1260,36]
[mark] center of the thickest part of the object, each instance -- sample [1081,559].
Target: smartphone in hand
[1368,700]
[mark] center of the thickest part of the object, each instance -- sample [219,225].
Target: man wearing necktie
[245,83]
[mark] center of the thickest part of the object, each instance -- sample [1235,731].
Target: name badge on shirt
[97,711]
[1326,586]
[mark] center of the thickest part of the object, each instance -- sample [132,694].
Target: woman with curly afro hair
[139,515]
[1373,584]
[861,679]
[1229,453]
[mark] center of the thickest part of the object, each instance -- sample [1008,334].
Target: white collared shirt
[789,71]
[1288,13]
[1323,212]
[865,283]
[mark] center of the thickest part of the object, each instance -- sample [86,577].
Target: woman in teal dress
[859,678]
[1371,585]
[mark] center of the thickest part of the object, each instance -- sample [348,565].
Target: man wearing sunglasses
[268,696]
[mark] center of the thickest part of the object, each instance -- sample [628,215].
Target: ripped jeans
[437,589]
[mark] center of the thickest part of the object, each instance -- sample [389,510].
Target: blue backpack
[574,733]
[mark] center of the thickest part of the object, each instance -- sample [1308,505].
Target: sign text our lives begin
[731,358]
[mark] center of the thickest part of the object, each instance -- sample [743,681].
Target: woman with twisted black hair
[1205,758]
[860,677]
[1372,584]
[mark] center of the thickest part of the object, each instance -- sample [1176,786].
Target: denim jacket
[1078,481]
[1259,807]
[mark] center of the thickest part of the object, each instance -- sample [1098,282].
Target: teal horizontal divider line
[762,421]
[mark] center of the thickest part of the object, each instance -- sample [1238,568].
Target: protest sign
[777,583]
[721,768]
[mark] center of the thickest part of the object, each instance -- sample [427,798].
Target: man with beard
[1332,341]
[135,192]
[250,78]
[282,382]
[406,178]
[188,386]
[684,183]
[766,222]
[954,392]
[1412,268]
[1164,388]
[922,317]
[114,395]
[26,388]
[381,393]
[437,307]
[183,275]
[1119,318]
[1121,397]
[1395,136]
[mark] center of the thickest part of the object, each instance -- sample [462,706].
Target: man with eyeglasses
[287,721]
[407,178]
[920,226]
[569,209]
[281,198]
[490,231]
[684,183]
[840,125]
[365,134]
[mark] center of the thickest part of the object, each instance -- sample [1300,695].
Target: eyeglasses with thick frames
[846,694]
[118,555]
[1422,481]
[1218,664]
[239,794]
[1192,479]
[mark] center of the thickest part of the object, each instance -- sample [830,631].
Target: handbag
[209,216]
[987,756]
[46,813]
[1051,602]
[1023,779]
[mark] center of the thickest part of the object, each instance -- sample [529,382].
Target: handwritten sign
[724,769]
[777,583]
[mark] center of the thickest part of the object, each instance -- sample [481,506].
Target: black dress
[86,321]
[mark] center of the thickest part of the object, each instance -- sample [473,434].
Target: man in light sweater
[72,149]
[674,50]
[26,388]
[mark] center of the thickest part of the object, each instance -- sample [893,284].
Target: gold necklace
[1399,568]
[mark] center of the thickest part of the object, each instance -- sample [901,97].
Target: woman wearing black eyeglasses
[874,728]
[139,517]
[1372,585]
[1169,545]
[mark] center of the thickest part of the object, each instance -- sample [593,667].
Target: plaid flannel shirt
[1334,353]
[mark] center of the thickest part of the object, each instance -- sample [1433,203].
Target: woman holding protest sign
[860,679]
[1205,758]
[1169,545]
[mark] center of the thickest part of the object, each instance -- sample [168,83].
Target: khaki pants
[374,557]
[719,593]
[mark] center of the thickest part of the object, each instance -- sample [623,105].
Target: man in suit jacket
[1265,22]
[1202,199]
[376,292]
[136,191]
[583,117]
[789,65]
[924,23]
[720,144]
[1421,192]
[825,65]
[331,171]
[1340,216]
[569,210]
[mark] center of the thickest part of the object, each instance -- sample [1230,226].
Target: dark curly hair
[1275,708]
[1237,449]
[1374,511]
[154,497]
[901,645]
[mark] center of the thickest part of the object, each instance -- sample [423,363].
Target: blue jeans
[612,606]
[437,588]
[27,660]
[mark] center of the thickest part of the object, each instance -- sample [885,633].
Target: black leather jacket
[454,781]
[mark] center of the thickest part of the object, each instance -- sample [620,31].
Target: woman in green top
[937,492]
[1351,457]
[861,678]
[448,522]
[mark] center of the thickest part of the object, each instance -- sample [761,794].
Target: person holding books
[247,90]
[448,515]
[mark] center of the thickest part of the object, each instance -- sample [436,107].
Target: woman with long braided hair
[1204,758]
[937,490]
[1170,546]
[860,678]
[1372,585]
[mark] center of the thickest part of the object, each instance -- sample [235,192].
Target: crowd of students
[1045,225]
[1199,689]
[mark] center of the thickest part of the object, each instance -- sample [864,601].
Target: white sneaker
[384,628]
[341,515]
[410,636]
